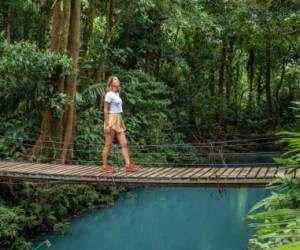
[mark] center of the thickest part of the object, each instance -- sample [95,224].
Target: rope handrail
[173,163]
[187,145]
[238,135]
[167,153]
[206,144]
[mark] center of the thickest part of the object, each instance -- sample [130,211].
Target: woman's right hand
[107,128]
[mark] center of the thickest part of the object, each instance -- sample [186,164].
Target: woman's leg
[109,137]
[123,145]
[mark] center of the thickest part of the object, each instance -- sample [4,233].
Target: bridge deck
[185,176]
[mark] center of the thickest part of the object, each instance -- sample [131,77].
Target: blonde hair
[109,81]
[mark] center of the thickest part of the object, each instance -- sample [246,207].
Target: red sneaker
[131,167]
[106,169]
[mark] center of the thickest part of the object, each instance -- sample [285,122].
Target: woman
[114,125]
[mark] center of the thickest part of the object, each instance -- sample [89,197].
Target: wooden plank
[144,172]
[34,168]
[226,173]
[77,171]
[271,172]
[182,174]
[140,172]
[85,171]
[145,175]
[174,171]
[164,174]
[170,175]
[179,173]
[211,173]
[17,168]
[244,172]
[99,174]
[6,164]
[72,170]
[220,171]
[159,174]
[46,170]
[53,170]
[190,173]
[280,171]
[151,171]
[200,173]
[156,173]
[25,170]
[235,173]
[262,173]
[89,171]
[122,173]
[253,172]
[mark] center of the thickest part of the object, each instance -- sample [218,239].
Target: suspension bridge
[194,171]
[183,176]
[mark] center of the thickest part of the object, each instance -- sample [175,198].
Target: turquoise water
[165,219]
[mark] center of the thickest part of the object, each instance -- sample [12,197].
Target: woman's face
[115,84]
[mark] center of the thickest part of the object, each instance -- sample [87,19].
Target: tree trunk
[59,43]
[106,40]
[42,25]
[88,29]
[280,82]
[268,78]
[221,79]
[87,33]
[60,26]
[73,48]
[8,28]
[250,68]
[212,81]
[44,134]
[259,88]
[229,75]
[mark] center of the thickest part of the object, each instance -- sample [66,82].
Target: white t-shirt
[115,102]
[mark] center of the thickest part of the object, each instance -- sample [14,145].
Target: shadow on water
[165,219]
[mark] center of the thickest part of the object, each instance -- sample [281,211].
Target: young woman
[114,125]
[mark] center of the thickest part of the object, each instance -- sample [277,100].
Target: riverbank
[28,209]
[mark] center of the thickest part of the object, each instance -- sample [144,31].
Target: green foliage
[12,224]
[25,69]
[279,225]
[290,246]
[59,103]
[34,209]
[26,77]
[60,228]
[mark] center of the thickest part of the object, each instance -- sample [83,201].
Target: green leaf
[291,246]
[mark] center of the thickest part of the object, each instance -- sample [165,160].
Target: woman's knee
[123,144]
[107,145]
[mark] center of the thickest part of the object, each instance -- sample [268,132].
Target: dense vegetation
[278,226]
[191,71]
[28,209]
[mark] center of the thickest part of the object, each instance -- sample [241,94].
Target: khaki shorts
[115,121]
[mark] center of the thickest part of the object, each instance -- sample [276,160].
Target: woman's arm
[106,109]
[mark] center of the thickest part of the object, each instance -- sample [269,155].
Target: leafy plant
[279,226]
